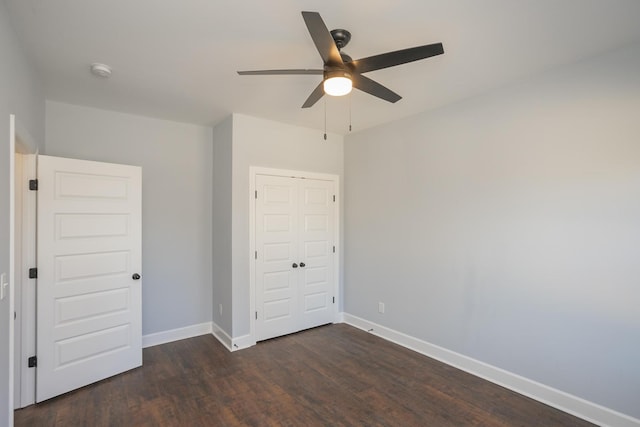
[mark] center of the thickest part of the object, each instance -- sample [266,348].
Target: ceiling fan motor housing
[336,72]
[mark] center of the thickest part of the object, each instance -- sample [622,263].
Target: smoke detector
[101,70]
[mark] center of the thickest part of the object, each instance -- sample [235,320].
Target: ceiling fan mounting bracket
[341,37]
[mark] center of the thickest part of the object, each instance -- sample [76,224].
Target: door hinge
[15,315]
[256,194]
[33,184]
[32,362]
[255,255]
[33,273]
[334,197]
[256,315]
[334,300]
[334,249]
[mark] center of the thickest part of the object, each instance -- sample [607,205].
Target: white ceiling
[178,59]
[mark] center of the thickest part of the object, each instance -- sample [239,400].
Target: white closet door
[277,252]
[89,255]
[316,234]
[294,260]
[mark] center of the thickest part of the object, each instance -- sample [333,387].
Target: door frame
[256,170]
[26,294]
[23,288]
[21,142]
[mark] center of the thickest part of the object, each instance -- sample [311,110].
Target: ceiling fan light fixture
[337,83]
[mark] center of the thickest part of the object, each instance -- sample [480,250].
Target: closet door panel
[316,234]
[277,227]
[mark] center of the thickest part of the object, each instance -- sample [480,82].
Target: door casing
[24,287]
[23,299]
[253,171]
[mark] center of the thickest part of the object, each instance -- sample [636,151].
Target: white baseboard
[566,402]
[221,335]
[232,344]
[164,337]
[245,341]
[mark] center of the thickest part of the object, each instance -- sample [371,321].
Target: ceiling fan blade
[397,57]
[315,96]
[279,72]
[374,88]
[322,38]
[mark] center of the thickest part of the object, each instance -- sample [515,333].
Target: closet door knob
[135,276]
[302,264]
[294,265]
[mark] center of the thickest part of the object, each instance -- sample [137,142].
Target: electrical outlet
[3,285]
[381,307]
[220,309]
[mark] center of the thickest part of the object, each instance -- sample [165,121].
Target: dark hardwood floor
[330,376]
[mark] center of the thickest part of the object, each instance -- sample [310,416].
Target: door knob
[135,276]
[302,264]
[294,265]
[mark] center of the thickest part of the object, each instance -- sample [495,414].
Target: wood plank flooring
[334,375]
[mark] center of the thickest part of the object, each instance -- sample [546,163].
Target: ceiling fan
[340,72]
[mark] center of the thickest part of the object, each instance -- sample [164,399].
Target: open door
[89,266]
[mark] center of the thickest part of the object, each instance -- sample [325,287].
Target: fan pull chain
[325,119]
[349,112]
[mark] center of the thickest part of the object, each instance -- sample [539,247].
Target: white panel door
[294,254]
[316,234]
[276,253]
[89,257]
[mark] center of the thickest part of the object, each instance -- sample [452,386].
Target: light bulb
[337,86]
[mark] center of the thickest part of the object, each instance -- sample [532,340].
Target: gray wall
[222,294]
[20,94]
[264,143]
[176,201]
[507,228]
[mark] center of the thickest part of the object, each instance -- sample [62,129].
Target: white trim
[12,187]
[18,285]
[28,292]
[171,335]
[566,402]
[256,170]
[24,144]
[232,344]
[336,255]
[253,171]
[221,336]
[245,341]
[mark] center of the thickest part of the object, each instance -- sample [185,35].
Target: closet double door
[294,268]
